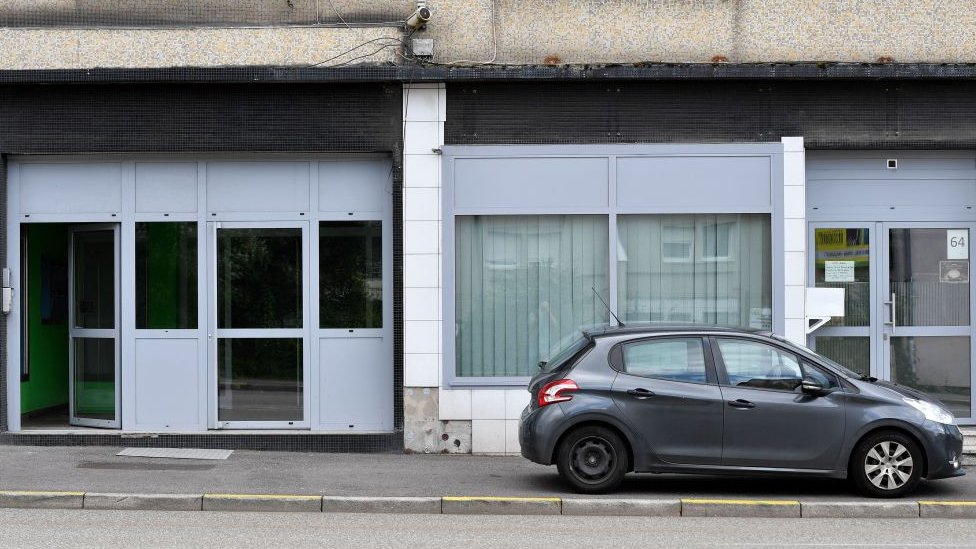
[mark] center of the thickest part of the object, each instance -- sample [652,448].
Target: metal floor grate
[177,453]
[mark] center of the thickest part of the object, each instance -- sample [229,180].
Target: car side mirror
[810,386]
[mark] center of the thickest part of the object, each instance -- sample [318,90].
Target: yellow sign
[842,245]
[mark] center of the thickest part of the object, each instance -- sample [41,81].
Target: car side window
[677,359]
[826,380]
[755,364]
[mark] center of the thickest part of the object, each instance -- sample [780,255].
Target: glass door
[93,332]
[259,324]
[926,334]
[908,304]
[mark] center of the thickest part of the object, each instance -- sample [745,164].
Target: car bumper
[944,451]
[537,432]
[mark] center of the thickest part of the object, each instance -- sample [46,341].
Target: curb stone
[41,500]
[623,507]
[144,502]
[261,502]
[947,509]
[417,505]
[740,508]
[500,506]
[859,509]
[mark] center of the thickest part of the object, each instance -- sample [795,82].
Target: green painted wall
[48,345]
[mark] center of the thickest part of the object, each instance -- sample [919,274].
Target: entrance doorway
[259,324]
[908,304]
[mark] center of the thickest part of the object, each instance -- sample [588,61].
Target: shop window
[524,287]
[729,282]
[350,274]
[166,275]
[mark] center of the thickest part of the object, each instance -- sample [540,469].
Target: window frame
[617,362]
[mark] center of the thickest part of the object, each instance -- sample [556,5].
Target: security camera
[419,18]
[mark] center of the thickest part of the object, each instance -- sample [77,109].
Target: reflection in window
[259,278]
[724,277]
[751,364]
[938,366]
[525,285]
[166,275]
[674,359]
[351,274]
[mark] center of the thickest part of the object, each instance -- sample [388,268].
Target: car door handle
[640,393]
[743,404]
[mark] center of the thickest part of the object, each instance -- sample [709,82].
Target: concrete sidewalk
[94,477]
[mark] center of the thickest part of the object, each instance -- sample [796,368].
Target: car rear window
[567,355]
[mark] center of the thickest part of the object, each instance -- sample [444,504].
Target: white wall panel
[166,187]
[258,186]
[70,188]
[356,384]
[167,385]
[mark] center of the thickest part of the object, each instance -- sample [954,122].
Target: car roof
[650,328]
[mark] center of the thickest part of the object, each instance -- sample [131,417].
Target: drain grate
[177,453]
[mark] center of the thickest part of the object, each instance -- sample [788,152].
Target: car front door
[668,394]
[768,421]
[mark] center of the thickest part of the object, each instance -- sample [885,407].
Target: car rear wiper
[542,364]
[868,378]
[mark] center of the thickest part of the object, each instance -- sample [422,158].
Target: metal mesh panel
[143,13]
[828,114]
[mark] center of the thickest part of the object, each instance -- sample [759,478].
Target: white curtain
[525,287]
[700,269]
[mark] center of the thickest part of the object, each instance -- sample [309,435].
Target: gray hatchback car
[721,401]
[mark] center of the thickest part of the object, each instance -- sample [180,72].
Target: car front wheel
[886,465]
[592,459]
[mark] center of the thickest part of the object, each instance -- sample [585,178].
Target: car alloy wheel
[592,459]
[887,464]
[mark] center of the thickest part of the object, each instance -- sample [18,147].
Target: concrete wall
[164,33]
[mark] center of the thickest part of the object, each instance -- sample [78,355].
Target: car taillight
[556,391]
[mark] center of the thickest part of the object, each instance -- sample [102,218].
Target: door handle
[891,322]
[640,393]
[741,404]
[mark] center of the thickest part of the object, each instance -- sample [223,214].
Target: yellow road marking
[38,493]
[496,498]
[741,501]
[956,503]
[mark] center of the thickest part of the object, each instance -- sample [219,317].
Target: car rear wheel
[592,459]
[886,465]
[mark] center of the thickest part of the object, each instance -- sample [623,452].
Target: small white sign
[957,244]
[838,271]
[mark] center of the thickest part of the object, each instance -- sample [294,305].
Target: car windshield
[557,359]
[839,367]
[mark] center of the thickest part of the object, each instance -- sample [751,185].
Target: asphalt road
[98,469]
[32,528]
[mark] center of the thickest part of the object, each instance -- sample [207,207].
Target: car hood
[903,391]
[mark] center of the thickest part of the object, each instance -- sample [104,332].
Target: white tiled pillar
[794,237]
[423,134]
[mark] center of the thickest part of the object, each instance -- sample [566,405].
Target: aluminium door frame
[99,333]
[214,334]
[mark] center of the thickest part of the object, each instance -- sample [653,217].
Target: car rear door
[768,421]
[668,394]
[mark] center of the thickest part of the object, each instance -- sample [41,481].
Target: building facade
[308,225]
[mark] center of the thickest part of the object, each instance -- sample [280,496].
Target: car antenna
[598,296]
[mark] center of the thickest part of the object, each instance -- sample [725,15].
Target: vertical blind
[524,288]
[701,269]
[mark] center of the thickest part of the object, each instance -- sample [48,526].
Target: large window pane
[94,378]
[930,288]
[937,365]
[350,274]
[702,269]
[843,262]
[525,285]
[166,275]
[94,266]
[259,380]
[259,278]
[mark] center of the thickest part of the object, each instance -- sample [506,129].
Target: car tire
[592,459]
[887,464]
